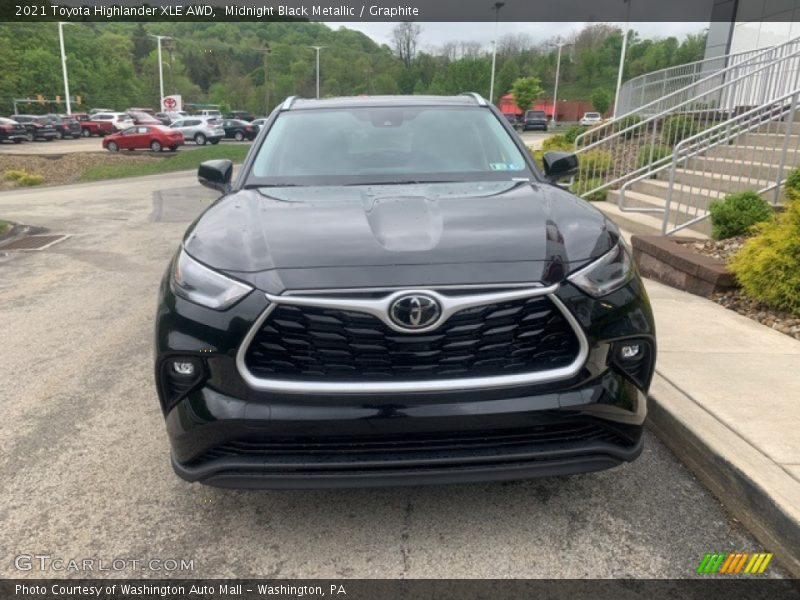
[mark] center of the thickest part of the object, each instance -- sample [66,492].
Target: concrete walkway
[726,400]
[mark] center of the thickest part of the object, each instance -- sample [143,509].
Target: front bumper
[224,432]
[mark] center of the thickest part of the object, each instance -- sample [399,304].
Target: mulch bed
[60,169]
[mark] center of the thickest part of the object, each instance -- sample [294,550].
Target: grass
[182,161]
[4,227]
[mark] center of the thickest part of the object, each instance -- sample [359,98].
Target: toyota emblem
[415,311]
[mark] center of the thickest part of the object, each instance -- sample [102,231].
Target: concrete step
[646,223]
[755,168]
[780,127]
[719,182]
[769,140]
[693,195]
[747,152]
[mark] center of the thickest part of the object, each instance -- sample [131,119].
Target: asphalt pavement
[84,456]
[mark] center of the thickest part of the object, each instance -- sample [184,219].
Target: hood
[423,228]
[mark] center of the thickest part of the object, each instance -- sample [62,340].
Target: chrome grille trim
[378,307]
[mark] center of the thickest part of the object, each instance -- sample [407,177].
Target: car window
[142,130]
[129,131]
[176,124]
[375,144]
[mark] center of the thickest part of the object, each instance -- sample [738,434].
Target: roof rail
[287,104]
[477,97]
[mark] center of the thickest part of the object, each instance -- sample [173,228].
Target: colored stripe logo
[734,563]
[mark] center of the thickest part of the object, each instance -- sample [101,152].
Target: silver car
[200,129]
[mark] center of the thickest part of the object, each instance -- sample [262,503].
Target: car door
[141,139]
[126,138]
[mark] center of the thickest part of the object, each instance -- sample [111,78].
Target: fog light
[630,351]
[185,369]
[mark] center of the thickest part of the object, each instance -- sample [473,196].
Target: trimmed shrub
[581,186]
[557,143]
[678,128]
[23,178]
[792,185]
[659,152]
[737,213]
[574,131]
[594,163]
[13,174]
[537,157]
[768,266]
[626,122]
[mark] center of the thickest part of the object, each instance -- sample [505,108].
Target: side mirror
[558,165]
[216,174]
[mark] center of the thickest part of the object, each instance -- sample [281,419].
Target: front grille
[545,435]
[325,344]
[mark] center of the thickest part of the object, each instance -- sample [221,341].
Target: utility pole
[560,45]
[265,53]
[496,8]
[317,48]
[64,64]
[622,55]
[160,69]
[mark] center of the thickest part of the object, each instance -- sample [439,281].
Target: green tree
[506,77]
[525,91]
[601,100]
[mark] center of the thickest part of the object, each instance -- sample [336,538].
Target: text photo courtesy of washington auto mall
[432,299]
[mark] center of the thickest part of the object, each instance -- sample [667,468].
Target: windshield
[358,146]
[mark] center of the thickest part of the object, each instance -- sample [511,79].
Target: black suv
[36,127]
[534,119]
[381,298]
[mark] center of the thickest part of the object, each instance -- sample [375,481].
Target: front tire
[200,139]
[155,146]
[30,137]
[113,147]
[86,133]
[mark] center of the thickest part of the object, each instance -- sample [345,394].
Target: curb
[753,488]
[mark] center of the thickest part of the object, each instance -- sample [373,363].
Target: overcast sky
[435,34]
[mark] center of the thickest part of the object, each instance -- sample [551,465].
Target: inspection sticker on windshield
[500,166]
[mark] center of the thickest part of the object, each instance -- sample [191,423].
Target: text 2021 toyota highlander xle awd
[383,297]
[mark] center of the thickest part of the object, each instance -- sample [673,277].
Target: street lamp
[560,45]
[64,63]
[318,48]
[622,55]
[496,8]
[160,68]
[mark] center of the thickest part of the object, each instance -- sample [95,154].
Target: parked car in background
[239,130]
[90,127]
[164,118]
[134,109]
[534,119]
[154,137]
[101,110]
[143,118]
[11,131]
[512,119]
[242,115]
[36,127]
[209,112]
[66,126]
[119,121]
[259,122]
[200,130]
[591,118]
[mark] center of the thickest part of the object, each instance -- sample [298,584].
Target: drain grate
[34,242]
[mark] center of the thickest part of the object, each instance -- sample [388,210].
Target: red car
[155,137]
[90,128]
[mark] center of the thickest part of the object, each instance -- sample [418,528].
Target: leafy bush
[573,131]
[659,152]
[537,157]
[594,163]
[581,186]
[557,143]
[626,122]
[768,266]
[23,178]
[737,213]
[678,128]
[792,184]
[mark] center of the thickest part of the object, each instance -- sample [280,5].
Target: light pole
[160,69]
[317,48]
[622,55]
[496,8]
[560,45]
[64,64]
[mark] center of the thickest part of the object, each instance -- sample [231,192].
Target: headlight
[607,274]
[203,286]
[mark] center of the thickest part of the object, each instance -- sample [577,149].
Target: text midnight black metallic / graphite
[384,299]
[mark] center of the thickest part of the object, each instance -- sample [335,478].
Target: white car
[119,120]
[591,118]
[200,129]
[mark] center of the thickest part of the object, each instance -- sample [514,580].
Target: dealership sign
[172,103]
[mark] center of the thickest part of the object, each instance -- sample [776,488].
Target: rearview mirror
[216,174]
[558,165]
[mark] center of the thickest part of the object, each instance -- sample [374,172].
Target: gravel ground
[59,169]
[736,300]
